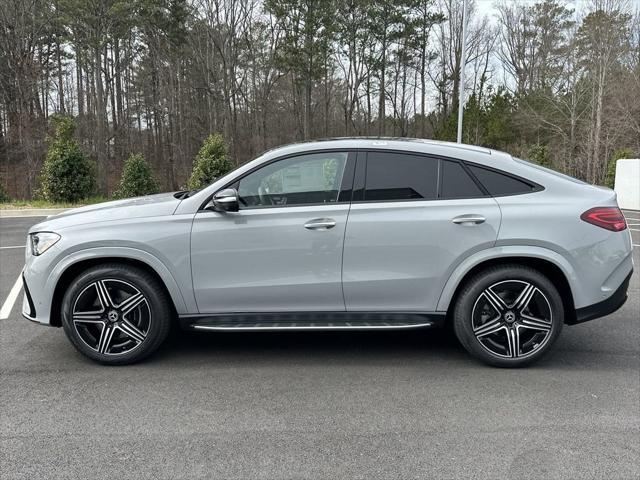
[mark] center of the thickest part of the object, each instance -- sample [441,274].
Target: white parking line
[11,299]
[12,246]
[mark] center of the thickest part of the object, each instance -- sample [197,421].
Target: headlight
[42,241]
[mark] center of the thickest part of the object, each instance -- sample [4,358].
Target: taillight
[610,218]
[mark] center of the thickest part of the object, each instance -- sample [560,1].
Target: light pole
[463,60]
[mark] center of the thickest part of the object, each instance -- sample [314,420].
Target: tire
[116,314]
[508,316]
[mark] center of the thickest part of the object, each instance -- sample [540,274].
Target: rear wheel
[508,316]
[116,314]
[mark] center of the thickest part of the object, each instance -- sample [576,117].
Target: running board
[318,321]
[261,327]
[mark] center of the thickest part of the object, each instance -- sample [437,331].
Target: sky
[487,7]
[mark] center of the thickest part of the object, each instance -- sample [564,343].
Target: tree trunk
[60,78]
[423,90]
[382,100]
[100,117]
[597,161]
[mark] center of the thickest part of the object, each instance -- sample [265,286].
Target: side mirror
[226,200]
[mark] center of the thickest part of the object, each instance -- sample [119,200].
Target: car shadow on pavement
[292,346]
[437,346]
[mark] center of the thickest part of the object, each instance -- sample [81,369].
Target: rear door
[413,218]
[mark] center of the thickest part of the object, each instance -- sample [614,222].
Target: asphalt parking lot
[302,405]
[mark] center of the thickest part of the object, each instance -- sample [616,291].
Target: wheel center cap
[113,316]
[510,317]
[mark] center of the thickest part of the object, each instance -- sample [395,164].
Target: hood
[147,206]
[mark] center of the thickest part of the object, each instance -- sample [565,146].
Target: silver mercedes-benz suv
[346,234]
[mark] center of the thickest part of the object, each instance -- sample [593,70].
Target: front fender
[507,252]
[182,306]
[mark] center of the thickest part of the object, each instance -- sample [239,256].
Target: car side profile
[343,234]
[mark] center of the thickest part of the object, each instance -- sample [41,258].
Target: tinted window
[498,183]
[456,182]
[305,179]
[396,176]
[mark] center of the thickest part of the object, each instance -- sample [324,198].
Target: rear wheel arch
[72,272]
[508,315]
[546,267]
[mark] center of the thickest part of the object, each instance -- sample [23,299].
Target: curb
[30,212]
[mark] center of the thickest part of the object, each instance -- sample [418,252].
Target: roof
[379,142]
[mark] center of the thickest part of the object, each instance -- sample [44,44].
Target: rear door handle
[469,219]
[320,224]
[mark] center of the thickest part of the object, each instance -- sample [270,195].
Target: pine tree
[211,163]
[4,197]
[137,179]
[67,174]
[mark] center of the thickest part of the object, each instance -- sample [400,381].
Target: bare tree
[158,76]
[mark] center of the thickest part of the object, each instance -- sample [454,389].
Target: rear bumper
[606,307]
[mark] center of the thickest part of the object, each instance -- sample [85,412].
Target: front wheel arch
[546,267]
[76,269]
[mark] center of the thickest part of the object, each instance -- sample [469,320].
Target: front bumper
[606,307]
[36,304]
[28,308]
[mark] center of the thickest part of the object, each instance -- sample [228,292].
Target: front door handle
[320,224]
[469,219]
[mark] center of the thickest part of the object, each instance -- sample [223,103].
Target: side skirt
[301,321]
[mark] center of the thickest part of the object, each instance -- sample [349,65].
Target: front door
[283,250]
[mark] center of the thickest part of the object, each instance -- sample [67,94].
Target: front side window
[399,176]
[302,180]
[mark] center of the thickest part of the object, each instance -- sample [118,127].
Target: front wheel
[508,316]
[116,314]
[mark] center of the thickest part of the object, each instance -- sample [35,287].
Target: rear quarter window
[497,183]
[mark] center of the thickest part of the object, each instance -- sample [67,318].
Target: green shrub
[4,197]
[211,163]
[610,178]
[136,179]
[539,154]
[67,174]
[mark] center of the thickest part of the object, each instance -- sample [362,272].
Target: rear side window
[500,184]
[456,182]
[398,176]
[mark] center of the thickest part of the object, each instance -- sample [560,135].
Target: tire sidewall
[146,285]
[472,290]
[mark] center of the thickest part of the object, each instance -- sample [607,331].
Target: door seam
[346,225]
